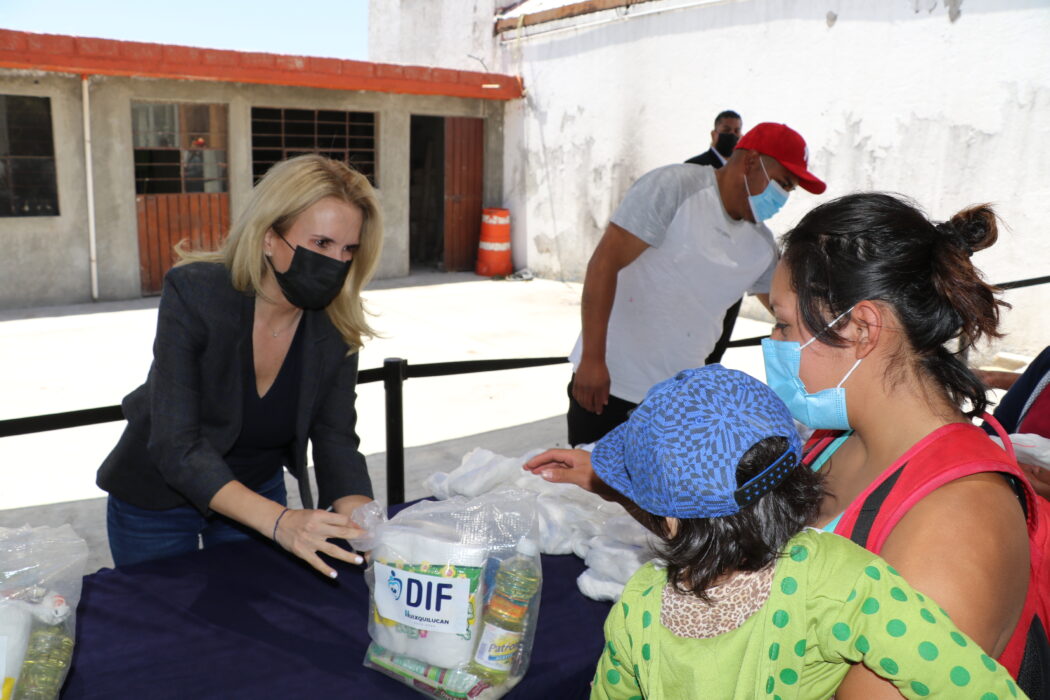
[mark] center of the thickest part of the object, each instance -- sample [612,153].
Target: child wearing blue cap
[748,601]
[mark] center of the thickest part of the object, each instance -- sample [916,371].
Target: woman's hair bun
[972,229]
[881,247]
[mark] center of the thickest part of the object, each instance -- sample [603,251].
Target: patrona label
[422,601]
[497,648]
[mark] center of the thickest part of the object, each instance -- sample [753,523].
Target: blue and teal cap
[677,455]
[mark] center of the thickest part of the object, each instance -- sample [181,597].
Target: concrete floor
[85,356]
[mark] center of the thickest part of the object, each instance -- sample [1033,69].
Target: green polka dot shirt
[831,604]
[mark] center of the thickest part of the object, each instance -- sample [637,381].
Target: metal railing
[393,373]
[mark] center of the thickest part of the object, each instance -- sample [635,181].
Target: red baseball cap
[787,146]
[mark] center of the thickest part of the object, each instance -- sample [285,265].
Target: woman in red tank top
[874,294]
[874,307]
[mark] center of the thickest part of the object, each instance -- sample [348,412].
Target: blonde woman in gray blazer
[255,354]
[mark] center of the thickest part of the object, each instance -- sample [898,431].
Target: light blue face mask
[769,201]
[824,410]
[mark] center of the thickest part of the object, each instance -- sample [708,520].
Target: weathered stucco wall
[46,258]
[948,103]
[426,33]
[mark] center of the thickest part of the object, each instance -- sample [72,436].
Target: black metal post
[395,370]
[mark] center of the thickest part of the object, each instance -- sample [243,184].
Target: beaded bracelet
[278,522]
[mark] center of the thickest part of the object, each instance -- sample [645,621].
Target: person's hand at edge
[566,467]
[590,385]
[574,467]
[1038,477]
[997,379]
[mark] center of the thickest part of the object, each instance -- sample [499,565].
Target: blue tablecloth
[247,620]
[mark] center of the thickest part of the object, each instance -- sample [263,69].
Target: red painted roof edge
[83,55]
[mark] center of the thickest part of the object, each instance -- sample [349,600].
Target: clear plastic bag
[41,570]
[455,594]
[368,517]
[570,519]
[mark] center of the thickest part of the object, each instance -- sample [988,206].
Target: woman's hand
[367,516]
[1038,477]
[302,532]
[565,467]
[305,533]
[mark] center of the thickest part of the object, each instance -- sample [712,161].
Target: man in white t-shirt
[685,243]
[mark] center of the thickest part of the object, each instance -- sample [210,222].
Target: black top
[187,416]
[708,157]
[268,422]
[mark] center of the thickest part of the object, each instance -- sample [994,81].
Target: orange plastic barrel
[494,246]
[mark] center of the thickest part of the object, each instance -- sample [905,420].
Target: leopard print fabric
[733,602]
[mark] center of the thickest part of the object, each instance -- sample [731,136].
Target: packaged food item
[41,570]
[455,594]
[517,581]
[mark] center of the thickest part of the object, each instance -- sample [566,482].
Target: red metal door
[166,219]
[464,151]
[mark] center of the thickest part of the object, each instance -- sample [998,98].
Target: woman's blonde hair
[288,189]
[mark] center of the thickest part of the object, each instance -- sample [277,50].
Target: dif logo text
[423,601]
[428,594]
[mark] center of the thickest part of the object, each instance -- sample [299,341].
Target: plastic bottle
[46,662]
[517,581]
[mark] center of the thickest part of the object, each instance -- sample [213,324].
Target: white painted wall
[444,33]
[891,95]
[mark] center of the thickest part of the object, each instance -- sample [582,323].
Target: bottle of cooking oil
[46,661]
[517,581]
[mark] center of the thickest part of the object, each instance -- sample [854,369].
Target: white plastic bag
[41,570]
[1032,449]
[455,594]
[570,519]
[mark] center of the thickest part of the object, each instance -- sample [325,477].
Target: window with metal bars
[28,185]
[179,148]
[279,134]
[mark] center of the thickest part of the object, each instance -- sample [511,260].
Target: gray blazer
[187,415]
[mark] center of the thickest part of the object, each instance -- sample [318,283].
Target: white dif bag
[455,594]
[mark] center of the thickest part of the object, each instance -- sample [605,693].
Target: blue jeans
[138,534]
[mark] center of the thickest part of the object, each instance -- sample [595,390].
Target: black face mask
[313,280]
[726,143]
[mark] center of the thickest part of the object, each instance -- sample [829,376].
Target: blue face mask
[824,410]
[768,202]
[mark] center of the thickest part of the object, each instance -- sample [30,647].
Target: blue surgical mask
[823,410]
[768,202]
